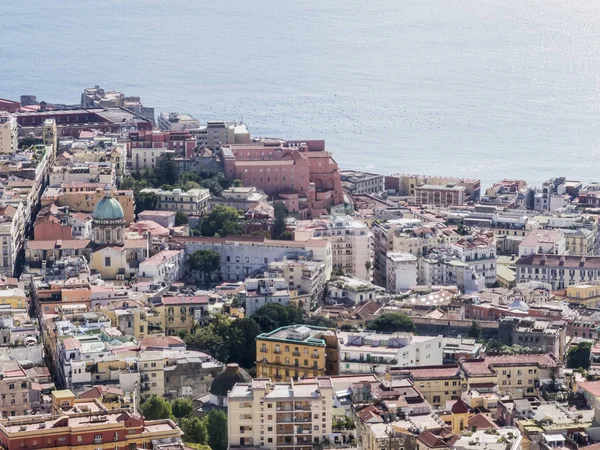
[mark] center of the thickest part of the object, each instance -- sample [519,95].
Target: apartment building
[217,133]
[581,242]
[551,242]
[164,267]
[362,182]
[406,185]
[148,147]
[183,312]
[297,351]
[103,173]
[516,375]
[351,242]
[8,134]
[259,292]
[83,424]
[538,335]
[440,196]
[438,384]
[399,235]
[369,352]
[279,416]
[479,252]
[12,231]
[244,255]
[194,201]
[559,271]
[307,277]
[402,272]
[240,198]
[83,197]
[176,122]
[151,367]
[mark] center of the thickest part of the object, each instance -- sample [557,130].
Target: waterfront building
[217,133]
[8,134]
[176,122]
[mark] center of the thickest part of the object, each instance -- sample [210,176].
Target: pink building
[51,228]
[300,173]
[182,143]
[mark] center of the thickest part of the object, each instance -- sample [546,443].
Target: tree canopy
[205,261]
[222,221]
[279,226]
[392,323]
[474,331]
[216,423]
[181,218]
[182,407]
[194,430]
[155,408]
[580,356]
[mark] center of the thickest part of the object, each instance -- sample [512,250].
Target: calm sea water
[480,88]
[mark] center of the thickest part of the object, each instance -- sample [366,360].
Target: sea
[469,88]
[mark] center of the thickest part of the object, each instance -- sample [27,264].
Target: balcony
[97,440]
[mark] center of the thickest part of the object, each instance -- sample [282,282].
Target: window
[107,261]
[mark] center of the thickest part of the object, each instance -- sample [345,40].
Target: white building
[401,272]
[241,256]
[83,173]
[164,267]
[479,252]
[176,122]
[273,416]
[446,269]
[217,133]
[368,352]
[353,290]
[259,292]
[308,277]
[194,201]
[81,225]
[362,182]
[240,198]
[551,242]
[350,240]
[8,134]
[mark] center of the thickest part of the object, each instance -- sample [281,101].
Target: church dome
[108,209]
[225,381]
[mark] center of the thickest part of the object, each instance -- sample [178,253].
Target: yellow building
[438,384]
[183,313]
[587,294]
[297,351]
[457,416]
[515,375]
[151,366]
[83,197]
[15,297]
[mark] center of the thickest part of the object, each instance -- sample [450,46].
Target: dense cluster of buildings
[500,288]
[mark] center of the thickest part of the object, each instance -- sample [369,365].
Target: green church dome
[108,209]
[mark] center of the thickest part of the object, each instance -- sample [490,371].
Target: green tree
[166,172]
[181,218]
[205,261]
[194,430]
[145,201]
[392,323]
[182,407]
[195,446]
[276,315]
[580,356]
[216,423]
[319,321]
[281,212]
[29,141]
[474,331]
[242,341]
[189,185]
[156,408]
[222,220]
[237,183]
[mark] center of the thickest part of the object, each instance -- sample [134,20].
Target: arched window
[107,235]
